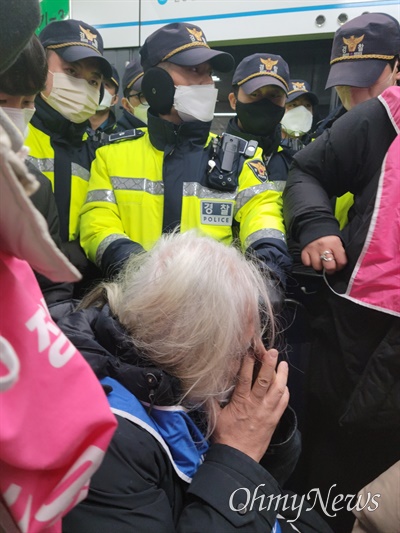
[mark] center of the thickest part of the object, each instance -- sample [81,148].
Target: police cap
[133,75]
[258,70]
[298,88]
[361,49]
[183,44]
[74,40]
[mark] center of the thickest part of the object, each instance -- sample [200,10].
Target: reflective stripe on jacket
[137,191]
[41,154]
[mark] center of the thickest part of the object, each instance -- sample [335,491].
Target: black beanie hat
[18,21]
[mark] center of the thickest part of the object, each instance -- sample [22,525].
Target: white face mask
[297,121]
[106,101]
[195,102]
[20,118]
[74,98]
[140,111]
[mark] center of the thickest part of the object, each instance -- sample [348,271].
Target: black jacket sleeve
[133,489]
[116,254]
[44,201]
[343,159]
[136,489]
[232,493]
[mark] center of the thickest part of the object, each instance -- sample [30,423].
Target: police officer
[134,104]
[259,88]
[166,176]
[370,44]
[365,58]
[364,62]
[300,110]
[104,120]
[71,96]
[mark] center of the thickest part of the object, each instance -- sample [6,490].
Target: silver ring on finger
[264,383]
[324,256]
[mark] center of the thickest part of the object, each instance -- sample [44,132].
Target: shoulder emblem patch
[126,135]
[258,169]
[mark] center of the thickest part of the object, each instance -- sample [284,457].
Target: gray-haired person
[197,396]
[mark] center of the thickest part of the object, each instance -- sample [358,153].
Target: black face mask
[259,118]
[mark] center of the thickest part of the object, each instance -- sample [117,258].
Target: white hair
[192,306]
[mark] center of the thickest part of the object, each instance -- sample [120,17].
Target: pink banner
[375,281]
[55,421]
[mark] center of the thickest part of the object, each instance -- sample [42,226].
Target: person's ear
[396,71]
[158,88]
[125,105]
[101,92]
[115,99]
[232,100]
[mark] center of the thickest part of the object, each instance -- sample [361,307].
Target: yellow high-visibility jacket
[140,188]
[342,206]
[64,161]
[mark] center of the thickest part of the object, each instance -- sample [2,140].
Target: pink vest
[375,281]
[55,421]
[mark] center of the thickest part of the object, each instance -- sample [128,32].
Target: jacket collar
[129,121]
[268,144]
[165,136]
[55,125]
[106,346]
[173,428]
[107,126]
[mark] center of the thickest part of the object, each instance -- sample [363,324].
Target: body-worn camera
[227,156]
